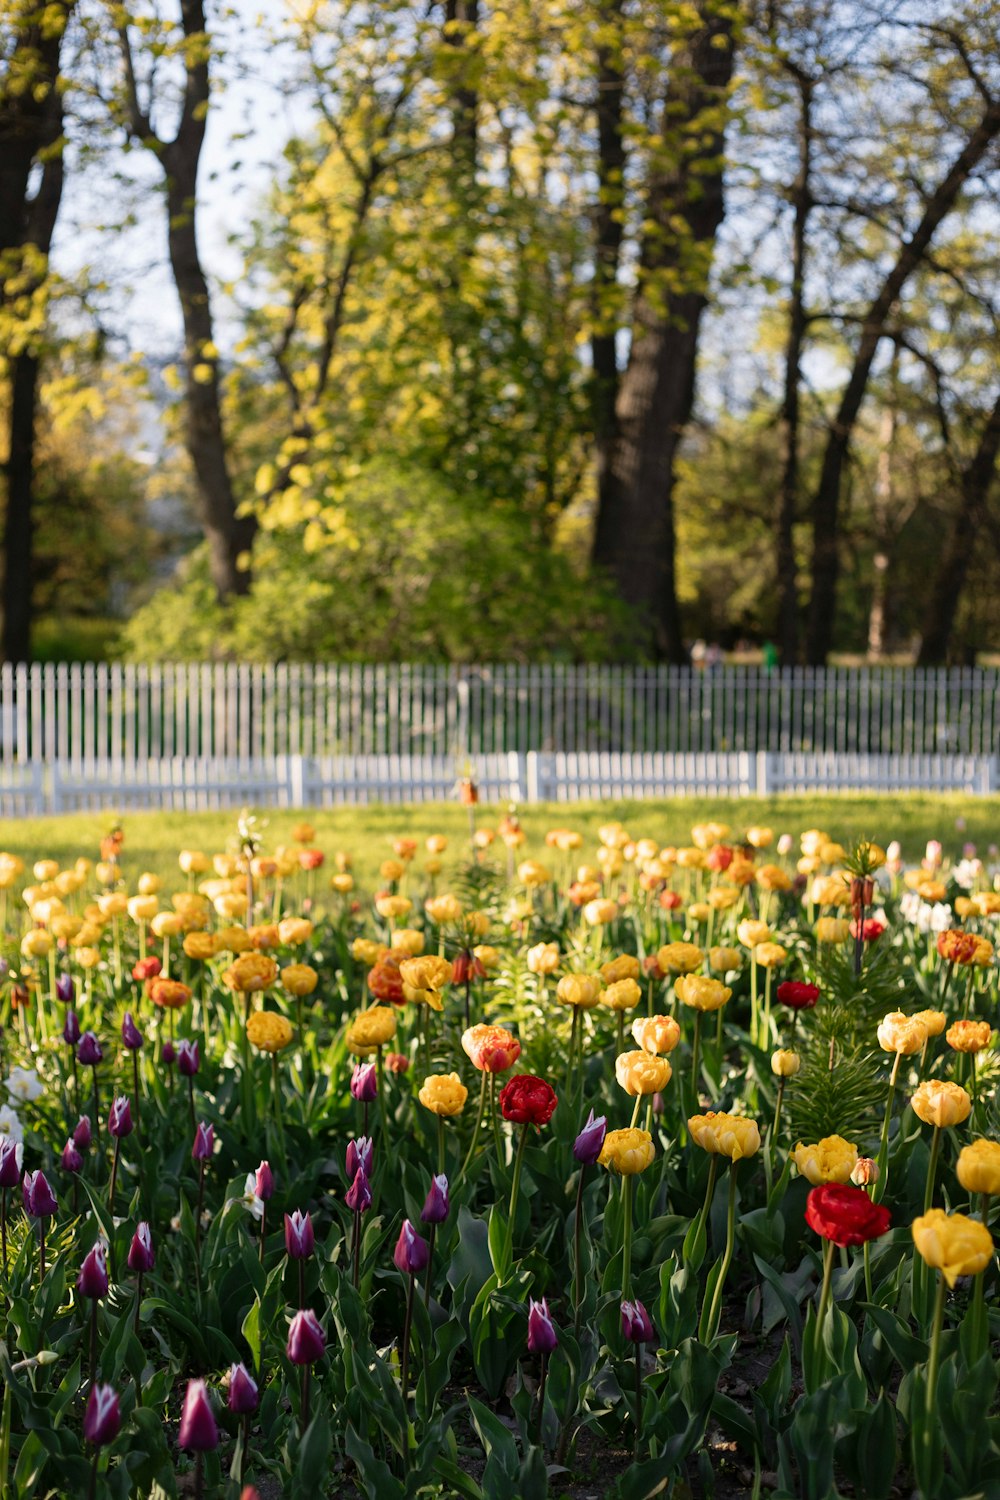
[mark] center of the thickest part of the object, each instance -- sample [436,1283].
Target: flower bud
[187,1058]
[243,1393]
[264,1182]
[397,1062]
[89,1051]
[65,989]
[11,1161]
[305,1339]
[300,1239]
[588,1144]
[131,1035]
[436,1205]
[411,1253]
[39,1199]
[71,1028]
[71,1160]
[542,1337]
[865,1171]
[364,1083]
[360,1154]
[102,1419]
[637,1325]
[359,1195]
[141,1257]
[120,1118]
[785,1064]
[198,1431]
[169,1053]
[93,1278]
[83,1135]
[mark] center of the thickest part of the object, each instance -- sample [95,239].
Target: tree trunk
[608,232]
[634,537]
[885,535]
[462,17]
[18,527]
[826,501]
[942,606]
[788,504]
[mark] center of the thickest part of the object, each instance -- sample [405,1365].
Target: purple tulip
[39,1199]
[265,1182]
[587,1146]
[364,1083]
[360,1154]
[89,1051]
[141,1257]
[359,1195]
[637,1325]
[187,1058]
[93,1278]
[306,1343]
[198,1431]
[131,1035]
[436,1205]
[169,1053]
[71,1028]
[411,1253]
[71,1159]
[120,1118]
[243,1393]
[542,1337]
[102,1419]
[299,1237]
[65,989]
[204,1142]
[83,1135]
[11,1161]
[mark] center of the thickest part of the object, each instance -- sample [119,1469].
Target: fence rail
[81,715]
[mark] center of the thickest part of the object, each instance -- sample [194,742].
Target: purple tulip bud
[541,1330]
[103,1418]
[198,1430]
[364,1083]
[65,989]
[359,1195]
[71,1028]
[89,1051]
[187,1058]
[120,1118]
[243,1393]
[169,1053]
[11,1162]
[93,1278]
[265,1182]
[204,1142]
[299,1236]
[39,1199]
[360,1154]
[411,1253]
[131,1035]
[141,1257]
[436,1205]
[637,1325]
[71,1159]
[83,1135]
[587,1146]
[305,1339]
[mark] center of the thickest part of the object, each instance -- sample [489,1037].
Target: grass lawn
[152,839]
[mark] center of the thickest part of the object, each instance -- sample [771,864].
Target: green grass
[152,839]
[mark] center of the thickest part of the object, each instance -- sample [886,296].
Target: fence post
[517,771]
[763,787]
[531,776]
[295,780]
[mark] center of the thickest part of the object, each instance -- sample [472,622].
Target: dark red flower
[719,857]
[846,1215]
[798,994]
[527,1100]
[146,968]
[670,900]
[466,967]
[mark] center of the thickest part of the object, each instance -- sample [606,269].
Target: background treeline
[561,328]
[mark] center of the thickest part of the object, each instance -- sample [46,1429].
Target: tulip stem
[635,1111]
[114,1173]
[777,1113]
[3,1230]
[824,1295]
[541,1397]
[514,1189]
[626,1235]
[41,1249]
[76,1081]
[199,1473]
[496,1123]
[92,1491]
[306,1372]
[356,1248]
[930,1391]
[883,1149]
[263,1229]
[932,1168]
[441,1152]
[404,1368]
[696,1061]
[710,1325]
[244,1450]
[138,1303]
[97,1108]
[638,1397]
[753,996]
[577,1252]
[197,1225]
[476,1128]
[93,1342]
[135,1079]
[431,1233]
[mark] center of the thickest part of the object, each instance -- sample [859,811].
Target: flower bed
[625,1166]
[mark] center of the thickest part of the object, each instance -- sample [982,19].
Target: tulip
[360,1153]
[187,1058]
[82,1134]
[299,1236]
[40,1203]
[364,1083]
[204,1142]
[586,1148]
[359,1200]
[65,989]
[141,1259]
[588,1144]
[265,1182]
[93,1278]
[198,1430]
[90,1055]
[120,1118]
[71,1029]
[102,1419]
[436,1205]
[71,1160]
[11,1161]
[411,1256]
[305,1347]
[201,1152]
[542,1340]
[131,1035]
[637,1327]
[243,1393]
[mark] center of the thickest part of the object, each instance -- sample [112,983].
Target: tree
[228,531]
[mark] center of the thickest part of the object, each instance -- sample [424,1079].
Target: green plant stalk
[514,1190]
[883,1149]
[440,1145]
[404,1371]
[541,1396]
[767,1006]
[932,1168]
[578,1254]
[934,1358]
[710,1325]
[431,1236]
[706,1207]
[753,998]
[638,1399]
[114,1173]
[695,1061]
[476,1128]
[626,1234]
[497,1141]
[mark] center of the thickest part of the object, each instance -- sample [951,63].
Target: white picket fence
[285,781]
